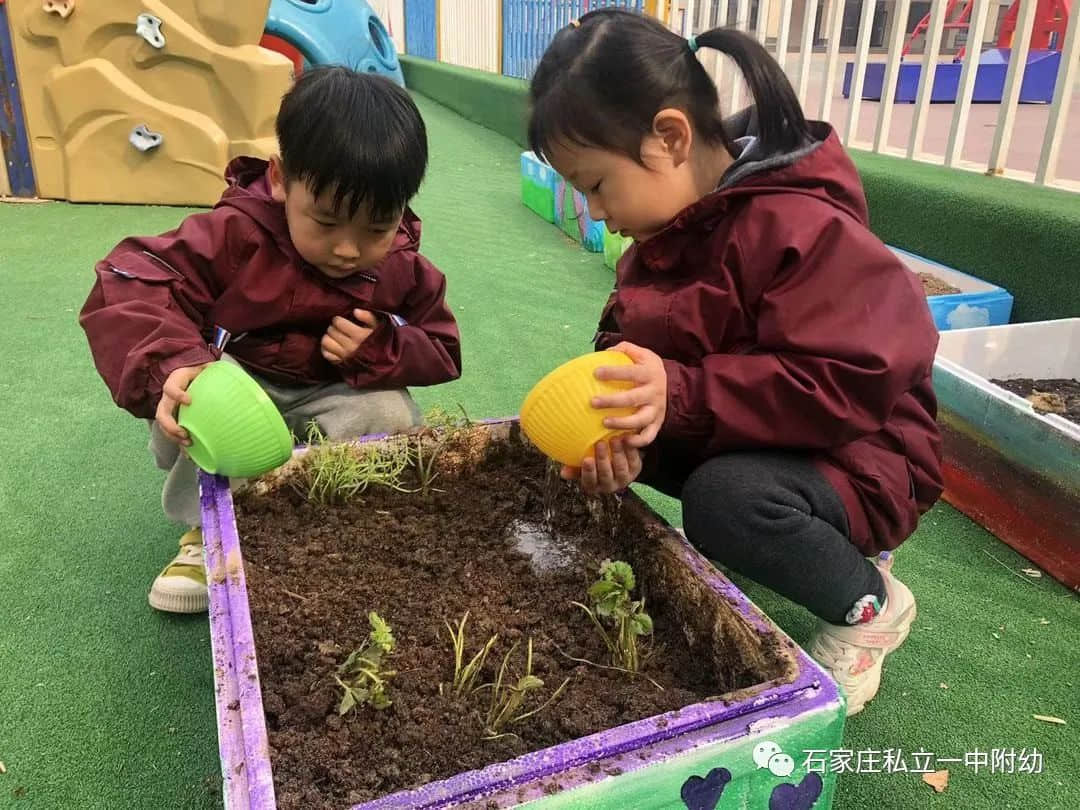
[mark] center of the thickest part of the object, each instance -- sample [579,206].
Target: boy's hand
[613,469]
[344,338]
[649,395]
[173,395]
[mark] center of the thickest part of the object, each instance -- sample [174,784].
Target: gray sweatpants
[341,412]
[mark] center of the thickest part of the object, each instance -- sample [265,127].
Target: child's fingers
[167,422]
[633,351]
[347,326]
[588,476]
[176,392]
[605,478]
[634,398]
[568,473]
[643,438]
[355,331]
[620,464]
[642,417]
[638,374]
[332,346]
[634,459]
[649,434]
[366,318]
[344,331]
[332,358]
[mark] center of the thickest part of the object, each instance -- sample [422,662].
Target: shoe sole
[179,602]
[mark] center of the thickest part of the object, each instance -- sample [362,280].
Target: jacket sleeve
[145,315]
[843,332]
[608,331]
[423,350]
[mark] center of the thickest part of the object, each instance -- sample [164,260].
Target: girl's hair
[603,80]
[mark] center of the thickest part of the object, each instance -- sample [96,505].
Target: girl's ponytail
[781,123]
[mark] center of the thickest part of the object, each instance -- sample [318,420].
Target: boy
[309,264]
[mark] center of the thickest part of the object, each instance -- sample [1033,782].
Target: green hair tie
[691,43]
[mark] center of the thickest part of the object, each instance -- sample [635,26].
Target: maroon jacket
[785,323]
[157,301]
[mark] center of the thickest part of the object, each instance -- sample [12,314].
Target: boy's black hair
[355,135]
[601,82]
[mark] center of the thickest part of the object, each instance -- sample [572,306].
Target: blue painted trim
[13,134]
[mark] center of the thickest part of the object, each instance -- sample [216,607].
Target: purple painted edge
[812,689]
[252,717]
[226,691]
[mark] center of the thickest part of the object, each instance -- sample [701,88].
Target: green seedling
[333,472]
[508,698]
[611,602]
[428,445]
[363,676]
[466,674]
[440,419]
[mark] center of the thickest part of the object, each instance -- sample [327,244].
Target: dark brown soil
[932,285]
[315,572]
[1048,396]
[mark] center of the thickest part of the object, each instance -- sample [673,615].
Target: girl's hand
[344,337]
[649,395]
[613,469]
[173,395]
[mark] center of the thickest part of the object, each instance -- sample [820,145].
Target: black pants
[772,517]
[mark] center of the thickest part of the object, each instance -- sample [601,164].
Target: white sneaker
[853,654]
[181,586]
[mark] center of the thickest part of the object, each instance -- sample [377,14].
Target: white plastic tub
[1039,351]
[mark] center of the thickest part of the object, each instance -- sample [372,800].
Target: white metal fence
[470,33]
[818,41]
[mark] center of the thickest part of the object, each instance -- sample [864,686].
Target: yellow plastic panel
[209,89]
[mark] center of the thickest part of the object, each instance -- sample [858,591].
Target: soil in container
[507,541]
[932,285]
[1048,396]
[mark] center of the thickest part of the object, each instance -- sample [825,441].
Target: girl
[782,354]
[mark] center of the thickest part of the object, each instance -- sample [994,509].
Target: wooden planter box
[701,757]
[1015,471]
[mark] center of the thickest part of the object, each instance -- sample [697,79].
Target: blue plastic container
[979,303]
[336,32]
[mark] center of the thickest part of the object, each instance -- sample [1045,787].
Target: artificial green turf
[106,704]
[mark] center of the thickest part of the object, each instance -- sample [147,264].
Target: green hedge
[1025,238]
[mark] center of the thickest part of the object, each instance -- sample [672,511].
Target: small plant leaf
[348,701]
[603,588]
[611,601]
[362,676]
[643,624]
[380,632]
[529,682]
[619,572]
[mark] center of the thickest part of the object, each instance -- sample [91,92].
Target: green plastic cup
[235,428]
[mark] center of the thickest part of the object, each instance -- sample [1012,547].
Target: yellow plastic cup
[558,416]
